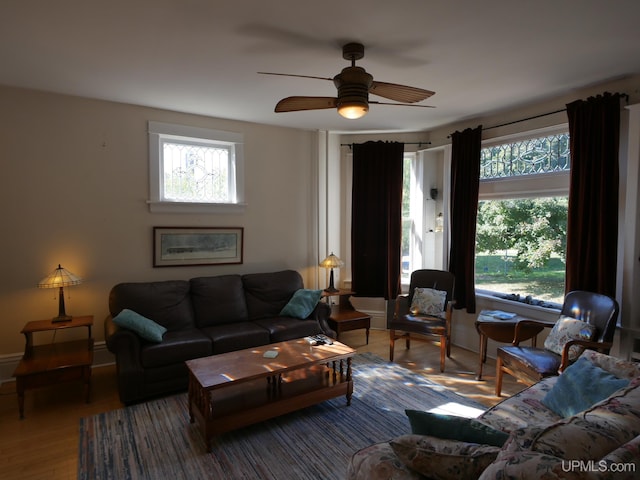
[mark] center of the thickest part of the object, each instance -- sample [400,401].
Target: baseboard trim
[9,363]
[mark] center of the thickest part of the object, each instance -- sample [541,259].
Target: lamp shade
[60,277]
[332,262]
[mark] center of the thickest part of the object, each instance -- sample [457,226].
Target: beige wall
[73,190]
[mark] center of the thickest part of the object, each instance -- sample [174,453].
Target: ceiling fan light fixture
[353,110]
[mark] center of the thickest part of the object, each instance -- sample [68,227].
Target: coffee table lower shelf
[238,405]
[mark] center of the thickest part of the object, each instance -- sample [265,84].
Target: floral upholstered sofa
[599,441]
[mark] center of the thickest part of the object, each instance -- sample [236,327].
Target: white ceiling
[201,56]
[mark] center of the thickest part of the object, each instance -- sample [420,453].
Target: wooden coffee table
[236,389]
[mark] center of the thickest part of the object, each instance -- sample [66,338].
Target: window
[407,222]
[422,203]
[522,219]
[194,169]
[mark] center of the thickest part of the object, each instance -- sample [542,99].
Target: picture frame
[188,246]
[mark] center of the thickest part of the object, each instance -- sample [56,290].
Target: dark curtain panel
[592,230]
[376,225]
[465,182]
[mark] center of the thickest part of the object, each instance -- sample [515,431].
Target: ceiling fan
[354,85]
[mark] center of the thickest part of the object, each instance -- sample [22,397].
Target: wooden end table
[344,317]
[235,389]
[501,330]
[342,320]
[53,363]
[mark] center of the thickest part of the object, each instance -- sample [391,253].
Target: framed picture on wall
[180,246]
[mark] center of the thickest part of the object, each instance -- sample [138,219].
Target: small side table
[344,317]
[53,363]
[500,330]
[345,320]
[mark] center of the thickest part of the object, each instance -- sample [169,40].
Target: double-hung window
[195,169]
[522,218]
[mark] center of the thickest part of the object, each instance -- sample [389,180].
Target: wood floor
[45,444]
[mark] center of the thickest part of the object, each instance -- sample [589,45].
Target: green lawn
[547,283]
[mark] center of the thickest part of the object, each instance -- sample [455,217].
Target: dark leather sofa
[203,316]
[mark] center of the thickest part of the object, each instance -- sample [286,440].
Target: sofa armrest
[126,346]
[321,314]
[119,339]
[602,347]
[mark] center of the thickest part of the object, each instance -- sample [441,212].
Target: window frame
[523,186]
[160,132]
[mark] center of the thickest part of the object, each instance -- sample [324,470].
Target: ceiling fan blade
[401,104]
[399,93]
[295,104]
[293,75]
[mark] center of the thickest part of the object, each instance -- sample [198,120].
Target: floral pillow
[428,301]
[443,459]
[565,329]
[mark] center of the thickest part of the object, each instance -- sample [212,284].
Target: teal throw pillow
[147,329]
[450,427]
[302,303]
[580,386]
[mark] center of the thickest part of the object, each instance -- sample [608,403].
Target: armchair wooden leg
[392,341]
[498,376]
[408,340]
[443,351]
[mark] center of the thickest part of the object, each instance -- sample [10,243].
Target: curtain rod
[624,95]
[525,119]
[405,143]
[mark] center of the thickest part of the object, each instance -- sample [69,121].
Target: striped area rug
[155,440]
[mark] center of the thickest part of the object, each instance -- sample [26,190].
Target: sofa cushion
[532,466]
[168,303]
[443,459]
[287,328]
[594,433]
[378,461]
[218,300]
[524,409]
[236,336]
[451,427]
[146,328]
[580,386]
[302,303]
[565,329]
[176,347]
[627,454]
[619,367]
[266,294]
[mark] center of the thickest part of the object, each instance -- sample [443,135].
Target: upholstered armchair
[425,311]
[587,320]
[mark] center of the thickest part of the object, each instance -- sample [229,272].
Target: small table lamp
[331,262]
[60,278]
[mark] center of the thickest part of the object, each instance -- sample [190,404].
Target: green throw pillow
[580,386]
[302,303]
[450,427]
[147,329]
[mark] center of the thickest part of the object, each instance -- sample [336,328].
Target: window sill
[184,207]
[489,301]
